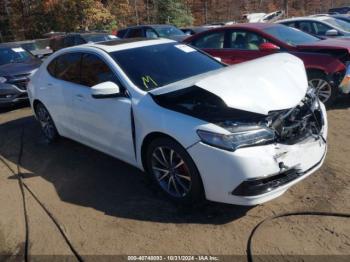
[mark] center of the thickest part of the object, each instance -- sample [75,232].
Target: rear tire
[174,171]
[47,125]
[326,92]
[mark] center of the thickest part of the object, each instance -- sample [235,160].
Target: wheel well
[311,71]
[147,141]
[35,103]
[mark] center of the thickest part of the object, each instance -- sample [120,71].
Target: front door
[104,124]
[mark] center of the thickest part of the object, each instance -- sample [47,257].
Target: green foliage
[173,12]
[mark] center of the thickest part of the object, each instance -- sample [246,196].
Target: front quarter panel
[151,118]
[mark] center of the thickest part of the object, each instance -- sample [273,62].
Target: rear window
[122,33]
[153,66]
[166,31]
[136,32]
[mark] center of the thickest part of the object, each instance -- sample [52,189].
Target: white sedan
[238,134]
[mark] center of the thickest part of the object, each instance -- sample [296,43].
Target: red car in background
[325,60]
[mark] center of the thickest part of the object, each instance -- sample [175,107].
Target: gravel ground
[106,207]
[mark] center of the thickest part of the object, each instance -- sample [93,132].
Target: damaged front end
[296,124]
[247,129]
[287,127]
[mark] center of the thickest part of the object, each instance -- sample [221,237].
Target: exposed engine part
[302,121]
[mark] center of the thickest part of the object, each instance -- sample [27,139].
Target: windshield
[339,24]
[13,55]
[290,35]
[153,66]
[30,46]
[166,31]
[96,38]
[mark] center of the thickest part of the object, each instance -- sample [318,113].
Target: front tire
[174,171]
[325,91]
[47,125]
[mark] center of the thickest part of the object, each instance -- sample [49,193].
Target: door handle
[49,84]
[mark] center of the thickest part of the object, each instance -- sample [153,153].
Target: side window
[211,40]
[321,29]
[95,71]
[136,32]
[68,67]
[79,40]
[245,40]
[150,33]
[291,24]
[51,68]
[306,26]
[122,33]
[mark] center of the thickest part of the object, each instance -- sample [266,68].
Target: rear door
[64,77]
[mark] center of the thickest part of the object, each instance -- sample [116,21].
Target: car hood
[329,43]
[19,68]
[266,84]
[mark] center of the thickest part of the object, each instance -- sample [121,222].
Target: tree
[95,15]
[173,12]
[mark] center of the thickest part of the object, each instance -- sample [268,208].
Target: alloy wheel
[46,122]
[171,172]
[323,89]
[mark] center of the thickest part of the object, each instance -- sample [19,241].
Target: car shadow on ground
[85,177]
[5,109]
[343,102]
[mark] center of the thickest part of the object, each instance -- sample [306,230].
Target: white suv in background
[238,134]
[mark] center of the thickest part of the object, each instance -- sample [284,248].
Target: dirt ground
[106,207]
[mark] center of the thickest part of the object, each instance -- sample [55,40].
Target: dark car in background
[339,10]
[345,18]
[196,29]
[35,47]
[325,60]
[73,39]
[152,31]
[16,66]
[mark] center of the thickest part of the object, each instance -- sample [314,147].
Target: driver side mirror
[105,90]
[268,47]
[332,32]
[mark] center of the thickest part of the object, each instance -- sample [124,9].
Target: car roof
[86,33]
[9,45]
[129,43]
[307,18]
[149,25]
[249,26]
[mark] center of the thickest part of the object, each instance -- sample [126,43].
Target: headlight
[2,79]
[238,137]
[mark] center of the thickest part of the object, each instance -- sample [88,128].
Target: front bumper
[223,172]
[10,94]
